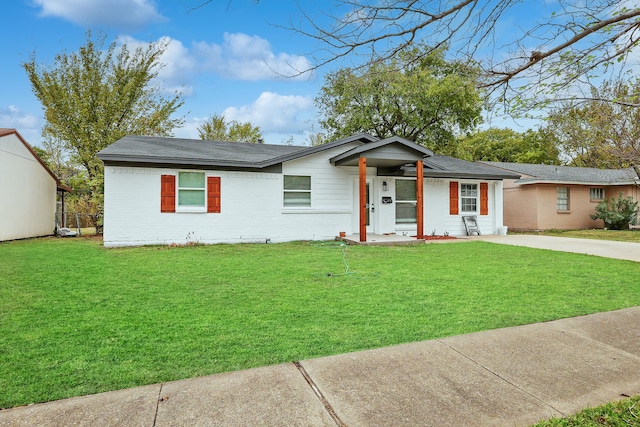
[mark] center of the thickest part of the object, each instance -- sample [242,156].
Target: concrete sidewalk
[507,377]
[605,248]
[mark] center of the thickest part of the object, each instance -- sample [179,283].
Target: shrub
[618,213]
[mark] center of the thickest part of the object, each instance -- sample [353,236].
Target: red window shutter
[213,194]
[167,193]
[453,198]
[484,198]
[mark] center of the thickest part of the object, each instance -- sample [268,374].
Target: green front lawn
[76,318]
[624,413]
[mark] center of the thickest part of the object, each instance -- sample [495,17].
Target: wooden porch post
[362,172]
[420,198]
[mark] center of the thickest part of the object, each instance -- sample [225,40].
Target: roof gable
[11,131]
[389,152]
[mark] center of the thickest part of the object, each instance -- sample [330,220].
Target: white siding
[488,224]
[27,193]
[436,209]
[252,206]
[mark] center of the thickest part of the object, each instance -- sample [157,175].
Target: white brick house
[169,190]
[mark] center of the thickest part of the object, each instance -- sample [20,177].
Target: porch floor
[381,239]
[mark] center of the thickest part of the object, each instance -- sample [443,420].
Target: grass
[599,234]
[624,413]
[76,318]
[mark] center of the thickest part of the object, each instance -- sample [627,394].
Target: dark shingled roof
[450,167]
[567,174]
[147,149]
[158,151]
[195,152]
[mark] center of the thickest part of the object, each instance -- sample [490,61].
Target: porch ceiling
[374,162]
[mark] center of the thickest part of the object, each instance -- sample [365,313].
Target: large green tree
[507,145]
[216,128]
[423,98]
[599,133]
[99,94]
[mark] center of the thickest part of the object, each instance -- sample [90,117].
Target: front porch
[390,154]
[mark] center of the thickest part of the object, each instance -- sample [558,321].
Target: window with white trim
[596,193]
[405,201]
[469,197]
[563,198]
[297,191]
[191,190]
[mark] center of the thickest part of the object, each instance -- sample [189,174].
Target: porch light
[385,186]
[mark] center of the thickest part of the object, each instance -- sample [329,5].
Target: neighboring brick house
[561,197]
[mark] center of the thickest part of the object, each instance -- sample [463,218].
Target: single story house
[561,197]
[169,190]
[28,190]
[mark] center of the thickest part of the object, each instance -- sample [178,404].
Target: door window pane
[405,201]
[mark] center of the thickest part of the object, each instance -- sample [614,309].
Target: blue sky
[227,57]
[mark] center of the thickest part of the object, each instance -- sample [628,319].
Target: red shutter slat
[213,194]
[484,198]
[167,193]
[453,198]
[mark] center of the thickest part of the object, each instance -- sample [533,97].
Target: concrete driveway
[604,248]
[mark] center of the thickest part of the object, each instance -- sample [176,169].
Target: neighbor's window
[405,201]
[596,193]
[191,189]
[297,191]
[469,197]
[563,198]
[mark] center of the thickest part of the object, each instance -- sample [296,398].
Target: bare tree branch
[538,56]
[563,51]
[522,67]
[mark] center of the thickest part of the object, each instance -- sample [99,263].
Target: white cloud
[178,65]
[27,124]
[190,128]
[244,57]
[124,14]
[12,117]
[240,57]
[280,117]
[275,113]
